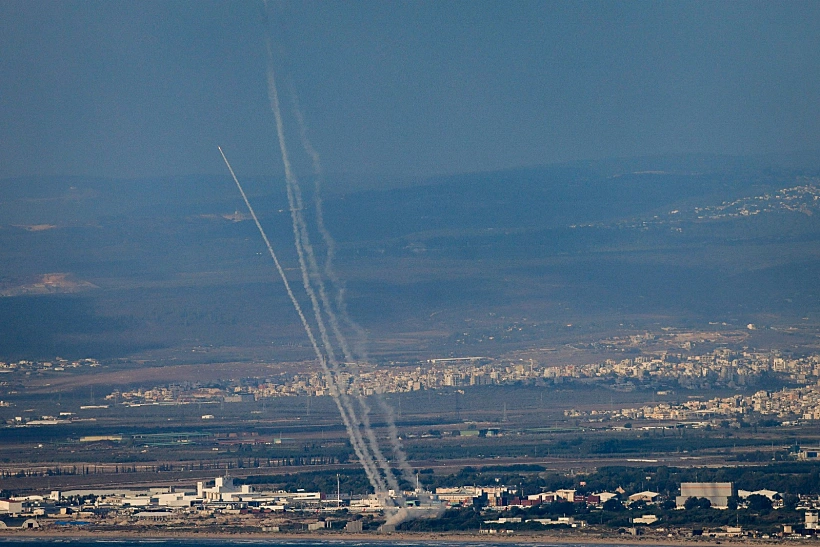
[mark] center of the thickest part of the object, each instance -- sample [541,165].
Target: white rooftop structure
[718,493]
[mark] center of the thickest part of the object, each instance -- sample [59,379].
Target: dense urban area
[778,497]
[798,398]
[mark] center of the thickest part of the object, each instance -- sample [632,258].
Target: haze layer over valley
[476,264]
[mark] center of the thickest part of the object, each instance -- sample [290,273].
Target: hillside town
[803,198]
[786,404]
[666,373]
[720,368]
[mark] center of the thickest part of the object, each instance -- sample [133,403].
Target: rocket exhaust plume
[319,300]
[365,459]
[340,304]
[318,295]
[331,344]
[307,266]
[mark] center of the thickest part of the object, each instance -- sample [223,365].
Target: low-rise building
[812,522]
[718,493]
[11,506]
[645,496]
[645,519]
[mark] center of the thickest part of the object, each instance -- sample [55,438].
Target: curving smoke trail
[310,275]
[319,299]
[341,305]
[356,416]
[364,458]
[326,305]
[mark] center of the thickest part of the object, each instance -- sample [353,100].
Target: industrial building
[718,493]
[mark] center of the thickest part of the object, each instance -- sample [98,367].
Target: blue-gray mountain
[109,268]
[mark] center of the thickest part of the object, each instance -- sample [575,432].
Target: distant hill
[174,264]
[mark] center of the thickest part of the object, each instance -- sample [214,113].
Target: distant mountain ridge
[176,263]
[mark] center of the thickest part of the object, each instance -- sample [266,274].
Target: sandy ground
[420,537]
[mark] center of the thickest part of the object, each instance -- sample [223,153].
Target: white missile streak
[298,206]
[331,381]
[310,275]
[303,241]
[330,245]
[302,244]
[304,248]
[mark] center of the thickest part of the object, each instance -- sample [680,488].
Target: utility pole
[458,407]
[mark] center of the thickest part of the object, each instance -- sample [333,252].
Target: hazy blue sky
[145,88]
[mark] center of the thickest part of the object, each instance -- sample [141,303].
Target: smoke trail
[314,286]
[341,305]
[362,455]
[303,249]
[306,252]
[303,241]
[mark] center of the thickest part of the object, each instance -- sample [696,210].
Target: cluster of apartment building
[788,404]
[721,367]
[718,368]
